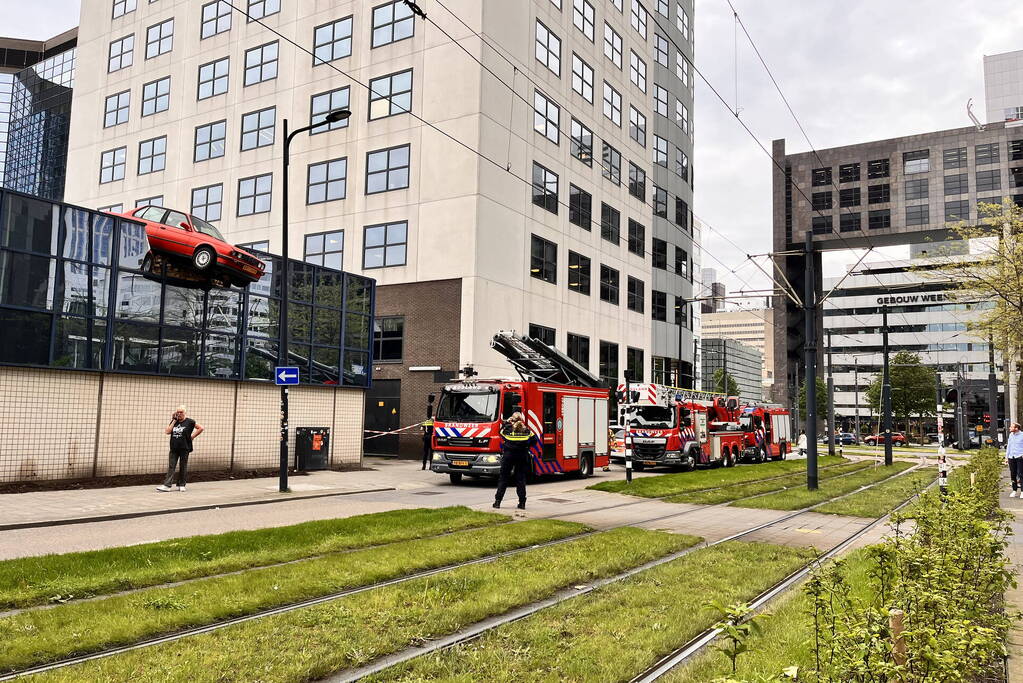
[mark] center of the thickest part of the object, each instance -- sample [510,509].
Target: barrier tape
[378,434]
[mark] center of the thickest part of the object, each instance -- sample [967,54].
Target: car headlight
[437,456]
[492,458]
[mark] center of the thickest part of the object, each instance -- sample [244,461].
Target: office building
[1003,87]
[743,363]
[573,226]
[712,292]
[754,328]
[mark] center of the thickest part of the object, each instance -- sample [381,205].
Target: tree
[724,383]
[822,399]
[912,387]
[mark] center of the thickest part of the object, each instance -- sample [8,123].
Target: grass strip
[40,636]
[730,493]
[617,631]
[799,498]
[884,497]
[314,642]
[58,578]
[684,482]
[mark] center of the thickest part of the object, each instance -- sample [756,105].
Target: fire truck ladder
[537,362]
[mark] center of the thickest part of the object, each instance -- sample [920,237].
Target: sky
[46,19]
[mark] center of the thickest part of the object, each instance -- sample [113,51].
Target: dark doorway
[383,411]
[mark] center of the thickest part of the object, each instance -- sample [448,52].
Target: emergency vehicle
[768,432]
[564,405]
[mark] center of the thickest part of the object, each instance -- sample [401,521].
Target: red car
[183,237]
[898,439]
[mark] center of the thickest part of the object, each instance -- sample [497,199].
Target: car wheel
[455,477]
[204,257]
[147,263]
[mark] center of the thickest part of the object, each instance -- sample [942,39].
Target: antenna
[973,117]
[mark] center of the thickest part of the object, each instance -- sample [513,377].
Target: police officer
[427,426]
[516,442]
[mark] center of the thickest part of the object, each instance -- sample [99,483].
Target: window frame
[120,55]
[255,195]
[543,267]
[160,38]
[328,182]
[392,94]
[156,98]
[204,215]
[542,195]
[257,132]
[215,19]
[550,55]
[118,110]
[225,77]
[610,285]
[388,169]
[410,17]
[262,64]
[579,273]
[334,41]
[543,124]
[153,156]
[386,245]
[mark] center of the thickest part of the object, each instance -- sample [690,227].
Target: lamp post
[331,117]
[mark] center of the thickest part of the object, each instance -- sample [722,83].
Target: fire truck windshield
[653,417]
[459,406]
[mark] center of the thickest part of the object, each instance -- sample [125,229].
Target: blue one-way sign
[286,375]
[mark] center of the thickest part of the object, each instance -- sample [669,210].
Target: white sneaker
[161,487]
[181,489]
[1013,494]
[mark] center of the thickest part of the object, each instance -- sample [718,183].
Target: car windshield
[460,406]
[653,417]
[206,229]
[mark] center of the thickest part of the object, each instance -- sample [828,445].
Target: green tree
[724,383]
[822,399]
[912,387]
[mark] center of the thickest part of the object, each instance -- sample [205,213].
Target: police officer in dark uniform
[427,426]
[516,442]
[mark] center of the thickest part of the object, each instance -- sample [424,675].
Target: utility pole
[856,389]
[810,347]
[992,390]
[629,441]
[695,342]
[886,389]
[831,402]
[939,400]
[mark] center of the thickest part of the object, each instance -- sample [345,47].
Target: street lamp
[332,117]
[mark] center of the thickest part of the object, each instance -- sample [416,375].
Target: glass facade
[6,89]
[37,128]
[72,294]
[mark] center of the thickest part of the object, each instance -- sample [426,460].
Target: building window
[637,126]
[682,116]
[1014,113]
[636,295]
[957,210]
[332,41]
[116,109]
[821,225]
[213,78]
[582,17]
[387,169]
[879,168]
[325,248]
[261,64]
[579,349]
[681,262]
[113,208]
[207,202]
[545,188]
[548,49]
[258,128]
[385,245]
[254,194]
[637,181]
[637,238]
[388,334]
[120,54]
[578,273]
[878,194]
[263,8]
[987,154]
[917,189]
[262,245]
[821,176]
[612,45]
[916,162]
[609,279]
[582,78]
[608,363]
[917,215]
[543,260]
[216,18]
[879,219]
[542,333]
[682,68]
[681,213]
[849,196]
[546,117]
[159,39]
[954,158]
[122,7]
[149,201]
[111,165]
[659,254]
[660,101]
[582,143]
[682,20]
[611,160]
[660,202]
[612,104]
[680,312]
[659,306]
[957,184]
[637,71]
[156,96]
[323,104]
[210,141]
[849,173]
[682,164]
[639,18]
[660,151]
[821,200]
[661,50]
[849,222]
[634,364]
[327,181]
[610,223]
[1016,177]
[580,207]
[1016,150]
[390,95]
[152,155]
[988,181]
[392,22]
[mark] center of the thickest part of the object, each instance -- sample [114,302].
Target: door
[383,412]
[550,426]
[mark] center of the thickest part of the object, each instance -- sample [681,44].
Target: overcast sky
[37,20]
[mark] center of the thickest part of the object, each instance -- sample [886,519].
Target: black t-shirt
[181,435]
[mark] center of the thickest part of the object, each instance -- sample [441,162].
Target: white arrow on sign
[286,375]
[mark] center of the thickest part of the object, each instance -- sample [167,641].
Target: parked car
[898,439]
[846,439]
[186,239]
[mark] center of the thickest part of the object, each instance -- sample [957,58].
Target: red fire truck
[768,432]
[564,405]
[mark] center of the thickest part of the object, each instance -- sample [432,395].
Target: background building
[713,289]
[1003,87]
[183,105]
[754,328]
[742,362]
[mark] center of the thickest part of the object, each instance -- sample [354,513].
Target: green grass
[313,642]
[684,482]
[729,493]
[799,498]
[884,497]
[617,631]
[39,636]
[58,578]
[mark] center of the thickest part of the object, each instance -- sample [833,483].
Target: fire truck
[565,406]
[768,432]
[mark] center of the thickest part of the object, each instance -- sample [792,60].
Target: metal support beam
[810,347]
[886,389]
[831,402]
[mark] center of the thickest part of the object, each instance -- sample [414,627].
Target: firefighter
[516,442]
[427,426]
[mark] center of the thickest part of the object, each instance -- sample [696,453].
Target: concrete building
[183,102]
[710,287]
[744,363]
[754,328]
[1003,87]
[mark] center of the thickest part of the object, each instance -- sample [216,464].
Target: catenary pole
[283,276]
[992,390]
[856,389]
[831,402]
[886,389]
[810,315]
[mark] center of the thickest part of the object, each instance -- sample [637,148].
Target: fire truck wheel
[729,460]
[456,477]
[585,470]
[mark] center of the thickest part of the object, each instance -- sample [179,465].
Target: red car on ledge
[183,237]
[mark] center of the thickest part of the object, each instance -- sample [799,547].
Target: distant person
[1014,454]
[182,431]
[801,443]
[516,442]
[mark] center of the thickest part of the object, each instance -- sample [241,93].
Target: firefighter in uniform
[427,426]
[516,442]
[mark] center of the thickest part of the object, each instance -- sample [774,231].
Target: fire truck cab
[767,430]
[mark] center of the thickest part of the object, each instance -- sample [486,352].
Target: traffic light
[952,396]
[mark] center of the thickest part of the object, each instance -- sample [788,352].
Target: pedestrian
[516,442]
[1014,454]
[182,431]
[801,443]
